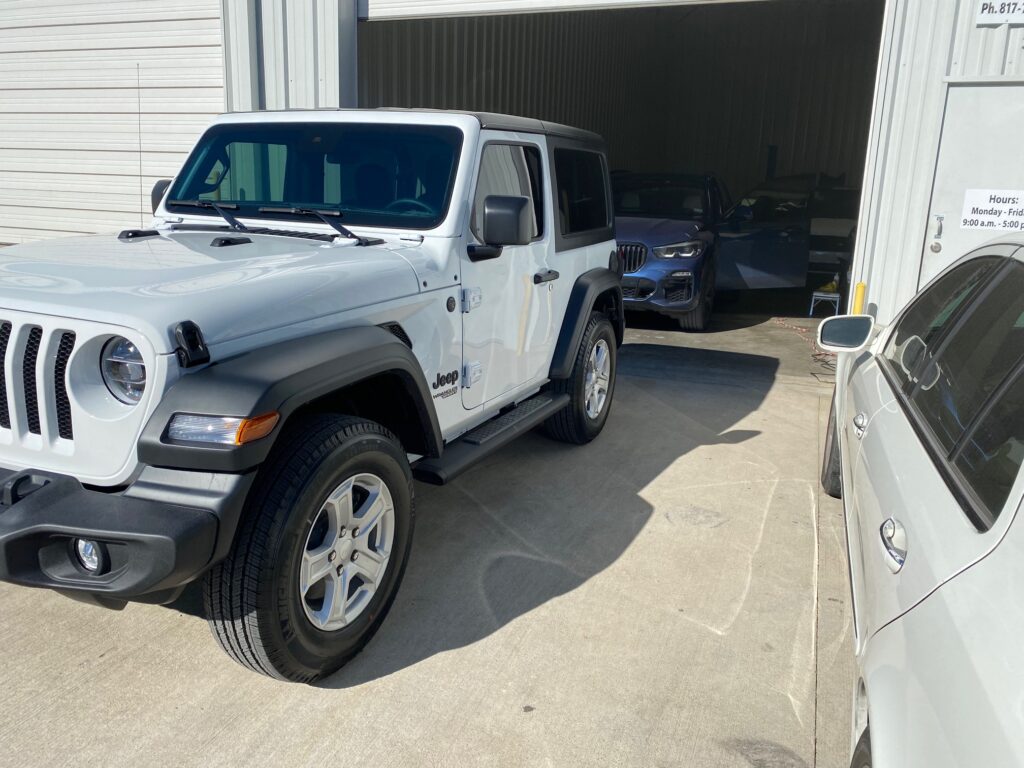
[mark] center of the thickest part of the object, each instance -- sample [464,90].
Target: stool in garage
[819,297]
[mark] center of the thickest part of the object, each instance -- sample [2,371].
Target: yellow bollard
[858,299]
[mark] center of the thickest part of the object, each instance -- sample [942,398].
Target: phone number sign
[994,209]
[1001,12]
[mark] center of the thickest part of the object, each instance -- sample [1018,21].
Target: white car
[925,444]
[326,305]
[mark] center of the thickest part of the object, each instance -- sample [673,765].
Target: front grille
[60,369]
[36,406]
[28,372]
[632,256]
[5,411]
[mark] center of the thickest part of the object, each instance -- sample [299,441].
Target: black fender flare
[589,287]
[282,377]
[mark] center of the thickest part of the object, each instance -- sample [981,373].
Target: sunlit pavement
[672,594]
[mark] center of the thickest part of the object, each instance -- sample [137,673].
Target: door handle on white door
[860,423]
[894,540]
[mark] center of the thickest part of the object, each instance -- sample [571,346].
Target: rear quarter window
[582,192]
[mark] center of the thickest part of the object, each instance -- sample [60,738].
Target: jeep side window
[513,170]
[582,194]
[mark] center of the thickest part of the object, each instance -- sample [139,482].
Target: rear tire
[862,752]
[320,553]
[590,386]
[831,461]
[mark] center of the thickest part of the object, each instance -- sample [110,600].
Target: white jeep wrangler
[327,305]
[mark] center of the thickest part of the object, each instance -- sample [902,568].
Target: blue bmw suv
[666,228]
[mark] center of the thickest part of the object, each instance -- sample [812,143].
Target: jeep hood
[655,232]
[152,284]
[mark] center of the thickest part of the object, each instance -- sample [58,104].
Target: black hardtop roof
[490,120]
[496,121]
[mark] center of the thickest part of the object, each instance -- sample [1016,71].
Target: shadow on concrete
[540,518]
[735,310]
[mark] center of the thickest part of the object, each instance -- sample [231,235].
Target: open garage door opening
[749,119]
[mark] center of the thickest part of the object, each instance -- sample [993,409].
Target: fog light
[88,554]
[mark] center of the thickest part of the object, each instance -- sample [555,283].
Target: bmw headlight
[124,371]
[687,250]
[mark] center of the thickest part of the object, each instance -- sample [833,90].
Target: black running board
[490,436]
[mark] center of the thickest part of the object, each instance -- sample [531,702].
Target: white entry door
[979,165]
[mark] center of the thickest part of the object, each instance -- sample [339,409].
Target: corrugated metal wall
[81,86]
[927,47]
[290,54]
[687,88]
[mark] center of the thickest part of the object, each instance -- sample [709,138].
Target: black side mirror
[507,220]
[159,190]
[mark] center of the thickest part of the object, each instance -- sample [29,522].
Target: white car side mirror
[845,333]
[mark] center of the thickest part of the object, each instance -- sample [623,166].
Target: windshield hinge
[192,349]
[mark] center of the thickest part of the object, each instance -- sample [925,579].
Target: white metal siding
[82,86]
[927,46]
[692,89]
[287,54]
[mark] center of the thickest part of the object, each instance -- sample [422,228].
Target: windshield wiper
[337,226]
[220,208]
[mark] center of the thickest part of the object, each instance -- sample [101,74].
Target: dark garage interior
[744,90]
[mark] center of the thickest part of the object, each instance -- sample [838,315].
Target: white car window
[921,328]
[974,360]
[991,457]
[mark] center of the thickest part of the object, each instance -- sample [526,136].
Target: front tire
[862,752]
[590,386]
[831,461]
[698,318]
[320,553]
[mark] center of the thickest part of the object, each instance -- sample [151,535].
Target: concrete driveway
[673,594]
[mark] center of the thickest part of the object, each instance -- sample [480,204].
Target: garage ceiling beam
[380,10]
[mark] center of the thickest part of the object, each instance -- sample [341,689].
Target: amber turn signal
[256,427]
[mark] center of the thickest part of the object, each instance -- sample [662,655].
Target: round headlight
[124,372]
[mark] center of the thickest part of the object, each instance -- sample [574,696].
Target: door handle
[894,540]
[545,276]
[860,423]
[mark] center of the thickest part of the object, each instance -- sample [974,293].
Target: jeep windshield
[657,197]
[371,174]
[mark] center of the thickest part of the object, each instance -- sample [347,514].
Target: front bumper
[671,291]
[154,538]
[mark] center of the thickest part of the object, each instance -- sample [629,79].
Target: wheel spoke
[339,507]
[336,599]
[370,512]
[370,565]
[315,566]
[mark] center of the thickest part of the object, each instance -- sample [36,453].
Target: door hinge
[471,299]
[471,374]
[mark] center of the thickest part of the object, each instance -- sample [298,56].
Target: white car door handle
[894,540]
[860,423]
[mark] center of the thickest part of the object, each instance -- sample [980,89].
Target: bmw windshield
[659,197]
[366,174]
